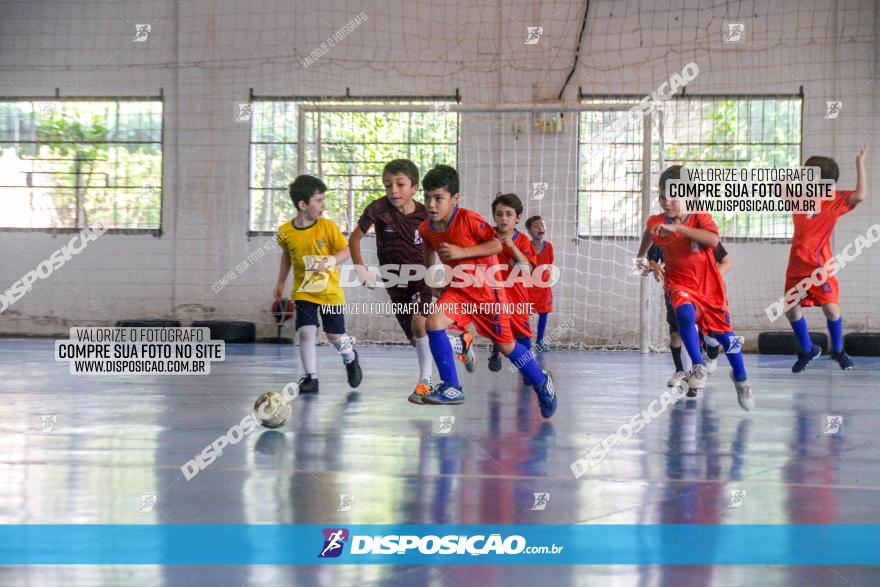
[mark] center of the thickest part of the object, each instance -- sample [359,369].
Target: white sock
[457,345]
[426,363]
[345,346]
[710,341]
[307,335]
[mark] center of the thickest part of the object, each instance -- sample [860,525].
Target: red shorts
[817,295]
[519,325]
[710,318]
[462,309]
[542,297]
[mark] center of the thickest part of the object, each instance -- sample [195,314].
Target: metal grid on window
[65,164]
[347,149]
[695,130]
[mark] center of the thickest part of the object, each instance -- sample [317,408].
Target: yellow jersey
[305,246]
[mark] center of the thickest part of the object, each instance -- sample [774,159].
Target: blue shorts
[332,317]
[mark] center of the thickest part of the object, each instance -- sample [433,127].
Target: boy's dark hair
[670,173]
[441,177]
[509,200]
[404,166]
[827,165]
[304,187]
[532,220]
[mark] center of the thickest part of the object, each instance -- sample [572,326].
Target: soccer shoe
[676,377]
[842,359]
[353,370]
[547,395]
[711,365]
[495,362]
[444,395]
[308,384]
[422,389]
[804,359]
[468,354]
[697,379]
[744,394]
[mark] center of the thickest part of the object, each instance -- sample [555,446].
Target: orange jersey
[516,293]
[542,297]
[811,242]
[692,275]
[466,228]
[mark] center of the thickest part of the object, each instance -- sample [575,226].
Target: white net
[195,117]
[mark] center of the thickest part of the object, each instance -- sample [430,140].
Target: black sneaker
[842,359]
[308,384]
[495,362]
[712,352]
[354,372]
[804,359]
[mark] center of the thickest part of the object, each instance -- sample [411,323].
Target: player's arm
[707,238]
[645,244]
[517,254]
[450,252]
[861,191]
[283,270]
[354,244]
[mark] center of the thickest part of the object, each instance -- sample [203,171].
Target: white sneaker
[744,394]
[711,365]
[676,378]
[697,379]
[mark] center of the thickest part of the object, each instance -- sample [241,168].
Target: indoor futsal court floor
[705,461]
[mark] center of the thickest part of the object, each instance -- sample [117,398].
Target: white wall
[206,55]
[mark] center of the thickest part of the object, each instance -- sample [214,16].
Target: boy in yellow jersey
[314,246]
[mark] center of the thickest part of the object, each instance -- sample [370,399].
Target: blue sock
[733,352]
[803,335]
[526,342]
[523,360]
[687,329]
[542,326]
[835,330]
[441,350]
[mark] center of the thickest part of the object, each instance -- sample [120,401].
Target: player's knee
[506,348]
[831,311]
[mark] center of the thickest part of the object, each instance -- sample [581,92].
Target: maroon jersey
[397,235]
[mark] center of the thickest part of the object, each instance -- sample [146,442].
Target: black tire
[148,323]
[229,330]
[862,344]
[785,343]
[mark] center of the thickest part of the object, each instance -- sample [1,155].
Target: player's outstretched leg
[808,351]
[426,364]
[542,327]
[495,359]
[713,349]
[464,348]
[676,348]
[690,337]
[523,359]
[306,336]
[345,345]
[733,352]
[835,333]
[449,391]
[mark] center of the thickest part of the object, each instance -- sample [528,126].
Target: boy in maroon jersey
[396,218]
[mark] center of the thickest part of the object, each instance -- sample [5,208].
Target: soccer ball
[273,409]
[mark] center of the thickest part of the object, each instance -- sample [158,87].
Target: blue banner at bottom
[277,544]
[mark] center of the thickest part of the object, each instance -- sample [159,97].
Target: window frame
[319,104]
[627,101]
[160,98]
